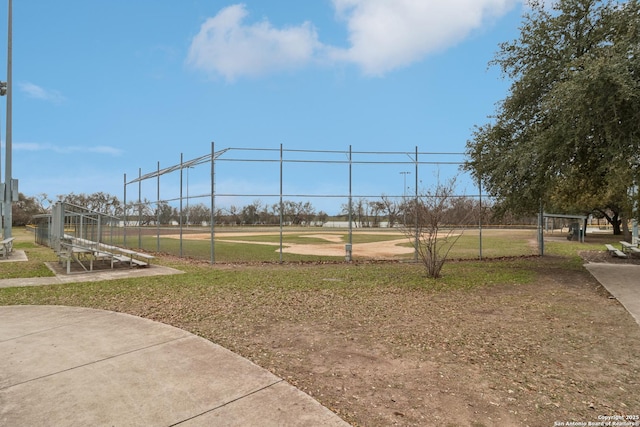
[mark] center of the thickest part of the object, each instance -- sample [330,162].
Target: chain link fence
[291,205]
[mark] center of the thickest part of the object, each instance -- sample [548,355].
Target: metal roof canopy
[581,217]
[198,161]
[208,157]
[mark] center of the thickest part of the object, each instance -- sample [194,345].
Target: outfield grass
[495,244]
[232,247]
[455,274]
[201,277]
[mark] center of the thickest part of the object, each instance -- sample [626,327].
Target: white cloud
[389,34]
[100,149]
[383,35]
[228,47]
[35,91]
[27,146]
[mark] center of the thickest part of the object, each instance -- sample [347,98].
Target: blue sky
[103,88]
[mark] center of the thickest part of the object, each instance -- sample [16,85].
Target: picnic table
[629,248]
[6,247]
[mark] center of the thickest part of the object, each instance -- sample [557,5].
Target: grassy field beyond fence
[250,244]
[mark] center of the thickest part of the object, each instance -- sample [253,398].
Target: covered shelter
[577,227]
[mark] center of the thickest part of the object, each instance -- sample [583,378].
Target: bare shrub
[434,224]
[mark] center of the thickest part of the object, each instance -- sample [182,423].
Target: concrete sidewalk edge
[80,366]
[622,281]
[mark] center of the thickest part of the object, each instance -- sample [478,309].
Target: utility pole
[3,92]
[8,181]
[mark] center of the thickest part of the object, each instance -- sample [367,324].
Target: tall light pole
[404,187]
[8,188]
[3,92]
[404,196]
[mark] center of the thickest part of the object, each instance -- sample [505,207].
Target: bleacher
[86,252]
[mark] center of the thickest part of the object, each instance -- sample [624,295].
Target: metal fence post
[480,216]
[181,213]
[281,202]
[139,208]
[158,210]
[417,237]
[350,254]
[124,225]
[212,219]
[540,230]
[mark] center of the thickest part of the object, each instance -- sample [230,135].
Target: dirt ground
[335,247]
[557,350]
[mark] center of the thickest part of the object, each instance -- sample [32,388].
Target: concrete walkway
[69,366]
[94,276]
[622,281]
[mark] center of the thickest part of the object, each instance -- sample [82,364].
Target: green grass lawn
[455,274]
[201,278]
[37,256]
[495,244]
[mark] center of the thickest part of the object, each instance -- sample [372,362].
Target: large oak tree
[568,132]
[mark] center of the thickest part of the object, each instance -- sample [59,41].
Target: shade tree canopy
[568,133]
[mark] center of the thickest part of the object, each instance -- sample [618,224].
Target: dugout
[577,225]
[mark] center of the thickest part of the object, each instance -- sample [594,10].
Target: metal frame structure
[8,189]
[67,220]
[282,157]
[582,218]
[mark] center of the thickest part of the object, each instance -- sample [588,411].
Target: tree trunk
[615,221]
[625,230]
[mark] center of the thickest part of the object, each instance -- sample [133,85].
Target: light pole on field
[188,167]
[3,92]
[404,187]
[9,195]
[404,195]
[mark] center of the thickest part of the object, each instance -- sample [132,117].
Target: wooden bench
[615,252]
[6,247]
[628,248]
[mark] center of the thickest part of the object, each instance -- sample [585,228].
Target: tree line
[365,213]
